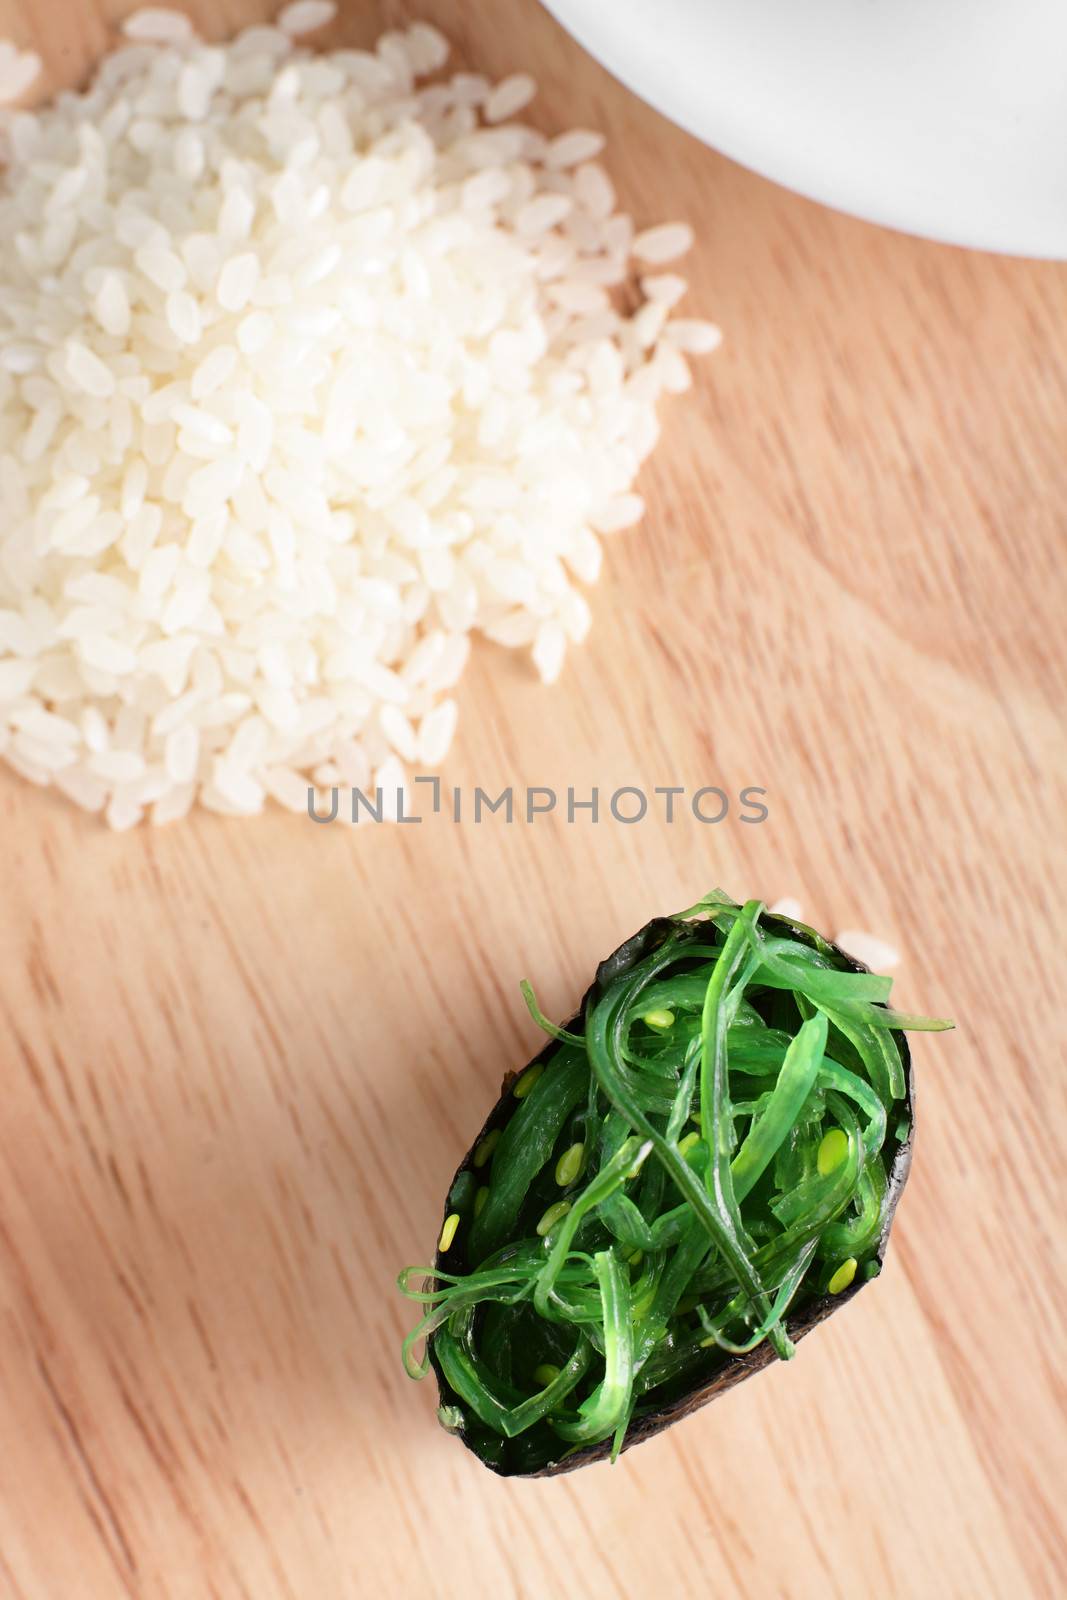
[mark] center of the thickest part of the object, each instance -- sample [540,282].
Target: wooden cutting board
[239,1060]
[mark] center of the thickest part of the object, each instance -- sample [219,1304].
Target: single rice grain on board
[308,372]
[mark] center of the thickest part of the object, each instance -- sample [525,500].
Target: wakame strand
[799,1071]
[714,1114]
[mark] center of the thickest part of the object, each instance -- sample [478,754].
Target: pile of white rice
[306,372]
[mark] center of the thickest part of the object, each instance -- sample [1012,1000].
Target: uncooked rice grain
[307,372]
[874,953]
[304,16]
[787,907]
[569,149]
[666,286]
[158,25]
[663,243]
[694,337]
[509,96]
[19,71]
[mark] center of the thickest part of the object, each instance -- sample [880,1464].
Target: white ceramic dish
[946,118]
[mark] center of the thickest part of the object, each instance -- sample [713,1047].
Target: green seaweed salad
[702,1164]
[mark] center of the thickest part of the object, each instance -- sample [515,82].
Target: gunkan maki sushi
[694,1171]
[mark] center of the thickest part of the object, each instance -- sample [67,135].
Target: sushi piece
[694,1172]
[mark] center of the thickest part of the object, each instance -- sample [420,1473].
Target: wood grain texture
[240,1060]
